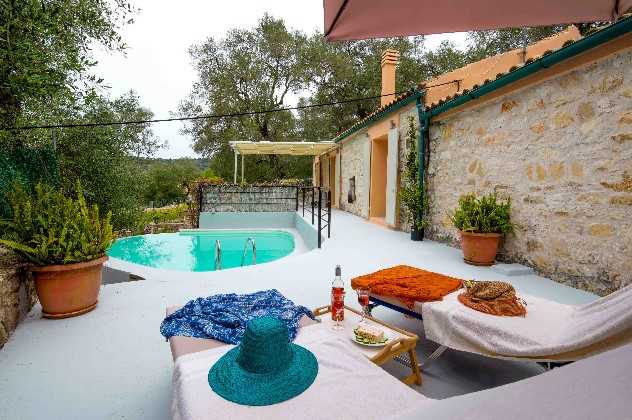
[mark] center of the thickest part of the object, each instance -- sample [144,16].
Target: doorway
[377,197]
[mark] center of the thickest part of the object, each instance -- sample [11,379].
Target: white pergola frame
[288,148]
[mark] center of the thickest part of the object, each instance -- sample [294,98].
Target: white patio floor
[113,362]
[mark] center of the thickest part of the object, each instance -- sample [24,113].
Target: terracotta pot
[67,290]
[480,248]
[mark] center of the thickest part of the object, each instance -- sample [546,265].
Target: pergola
[291,148]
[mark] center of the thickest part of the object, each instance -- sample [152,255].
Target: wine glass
[363,300]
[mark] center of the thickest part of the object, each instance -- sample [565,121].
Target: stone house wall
[353,163]
[562,151]
[17,294]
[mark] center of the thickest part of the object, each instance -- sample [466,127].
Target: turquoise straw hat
[265,368]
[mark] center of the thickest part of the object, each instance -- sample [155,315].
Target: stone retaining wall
[17,294]
[562,151]
[249,198]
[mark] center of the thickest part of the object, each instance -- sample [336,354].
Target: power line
[211,116]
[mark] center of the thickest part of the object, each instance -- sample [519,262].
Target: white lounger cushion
[348,385]
[550,331]
[599,387]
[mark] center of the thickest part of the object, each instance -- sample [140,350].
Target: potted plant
[66,240]
[481,223]
[411,194]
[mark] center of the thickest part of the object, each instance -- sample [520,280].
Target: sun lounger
[594,388]
[348,386]
[550,331]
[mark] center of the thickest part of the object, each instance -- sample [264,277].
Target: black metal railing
[318,200]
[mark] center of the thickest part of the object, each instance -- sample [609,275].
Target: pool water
[195,250]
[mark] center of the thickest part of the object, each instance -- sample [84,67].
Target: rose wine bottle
[338,297]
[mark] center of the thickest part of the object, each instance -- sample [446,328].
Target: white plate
[386,335]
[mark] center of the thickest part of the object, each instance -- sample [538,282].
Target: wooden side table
[402,341]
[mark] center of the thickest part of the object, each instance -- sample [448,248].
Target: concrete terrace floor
[113,363]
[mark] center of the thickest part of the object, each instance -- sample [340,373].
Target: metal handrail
[218,255]
[254,251]
[320,208]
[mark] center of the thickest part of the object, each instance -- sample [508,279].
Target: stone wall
[562,151]
[249,198]
[355,162]
[17,294]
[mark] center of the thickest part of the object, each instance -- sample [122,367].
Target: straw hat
[265,368]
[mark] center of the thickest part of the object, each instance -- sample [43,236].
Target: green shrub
[49,228]
[482,215]
[411,194]
[26,166]
[175,213]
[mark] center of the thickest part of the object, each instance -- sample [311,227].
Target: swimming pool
[195,250]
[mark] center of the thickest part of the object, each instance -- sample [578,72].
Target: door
[379,152]
[392,169]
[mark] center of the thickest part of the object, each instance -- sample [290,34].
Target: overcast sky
[157,65]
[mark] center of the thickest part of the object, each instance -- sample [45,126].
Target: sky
[157,65]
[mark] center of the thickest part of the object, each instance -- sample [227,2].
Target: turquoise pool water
[195,250]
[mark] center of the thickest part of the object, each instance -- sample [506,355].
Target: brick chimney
[390,58]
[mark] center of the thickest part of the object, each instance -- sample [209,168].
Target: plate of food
[369,335]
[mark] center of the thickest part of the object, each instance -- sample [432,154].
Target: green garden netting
[26,166]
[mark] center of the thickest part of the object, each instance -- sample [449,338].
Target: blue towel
[224,317]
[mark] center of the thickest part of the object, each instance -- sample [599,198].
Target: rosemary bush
[482,215]
[49,228]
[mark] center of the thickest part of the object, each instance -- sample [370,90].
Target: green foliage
[411,194]
[102,158]
[25,166]
[344,70]
[208,174]
[46,48]
[49,228]
[166,183]
[255,70]
[168,214]
[482,215]
[46,54]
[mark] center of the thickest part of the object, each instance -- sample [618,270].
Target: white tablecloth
[348,386]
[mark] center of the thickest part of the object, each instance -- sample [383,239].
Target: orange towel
[409,284]
[499,307]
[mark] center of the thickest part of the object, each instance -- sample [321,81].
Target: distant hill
[201,163]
